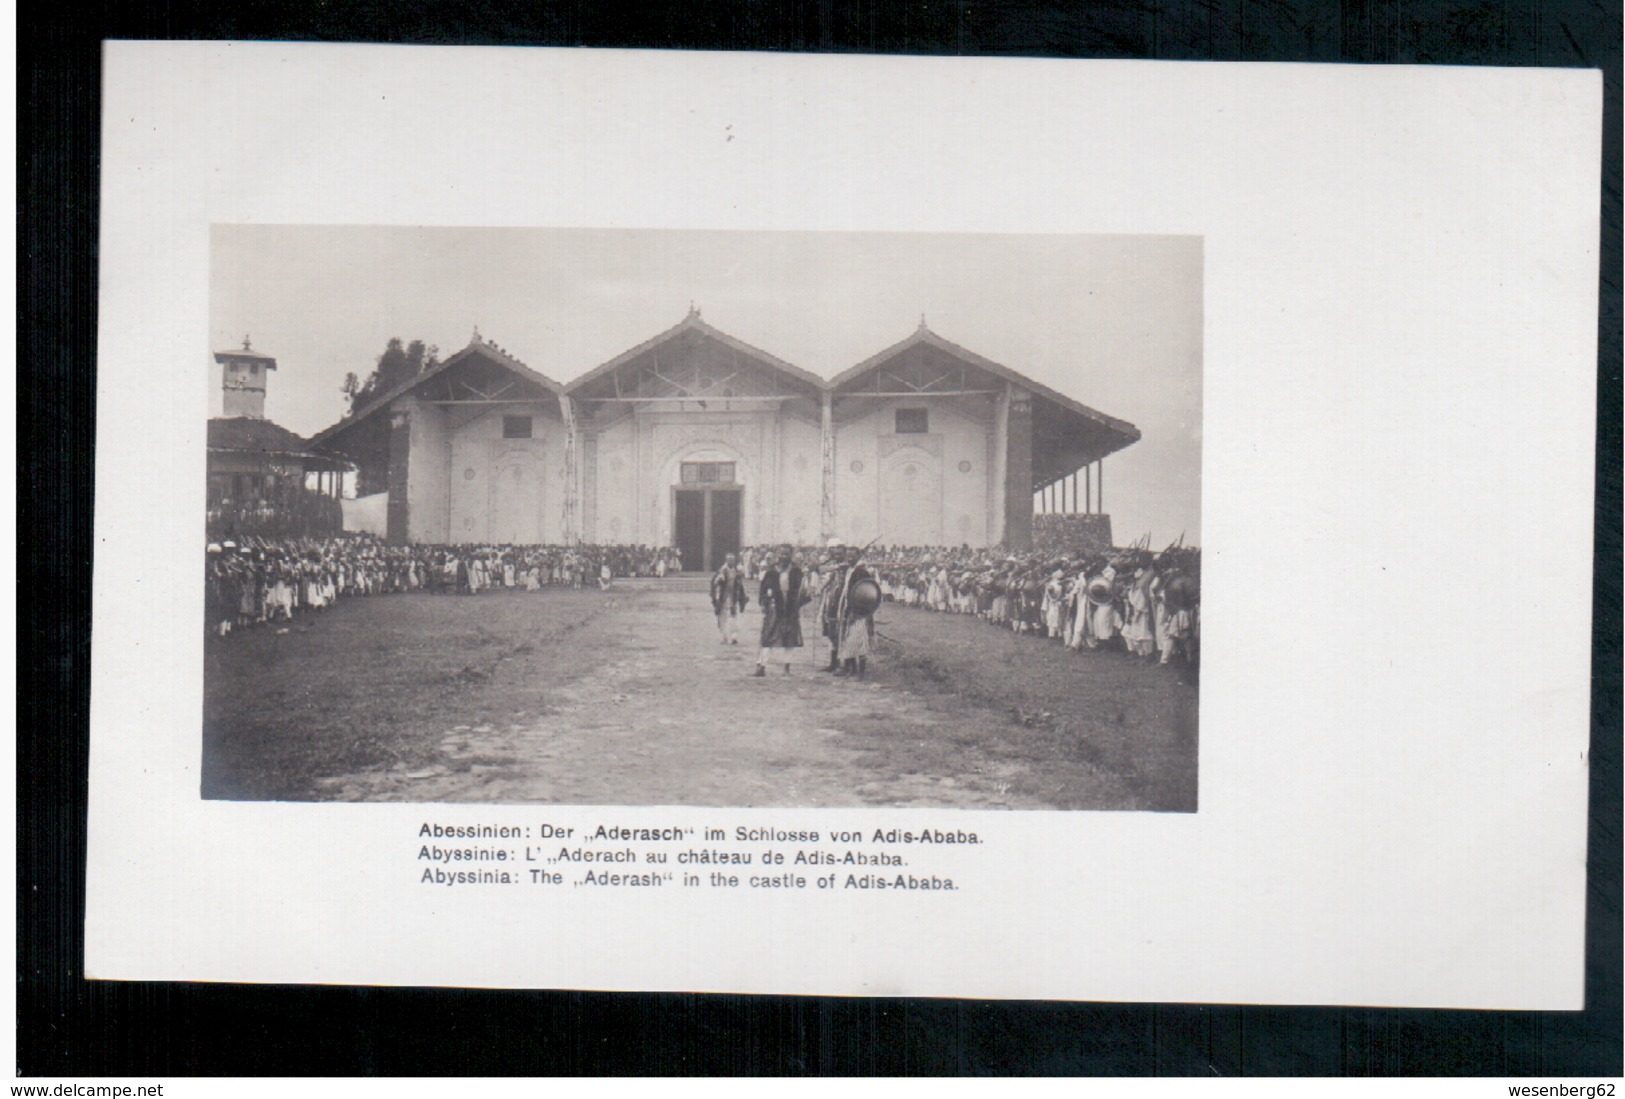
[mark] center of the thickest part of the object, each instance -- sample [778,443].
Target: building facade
[699,440]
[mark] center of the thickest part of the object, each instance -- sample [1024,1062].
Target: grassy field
[628,698]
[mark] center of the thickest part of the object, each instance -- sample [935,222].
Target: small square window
[516,427]
[913,421]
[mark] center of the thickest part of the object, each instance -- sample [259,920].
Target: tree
[399,363]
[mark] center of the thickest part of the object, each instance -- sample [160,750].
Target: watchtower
[243,375]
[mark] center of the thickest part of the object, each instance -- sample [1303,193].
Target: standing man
[728,598]
[782,598]
[1137,628]
[857,618]
[829,609]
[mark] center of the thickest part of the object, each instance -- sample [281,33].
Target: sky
[1112,321]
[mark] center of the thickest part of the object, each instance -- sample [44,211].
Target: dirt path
[578,698]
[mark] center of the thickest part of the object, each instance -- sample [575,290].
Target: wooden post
[1100,487]
[826,505]
[1001,462]
[398,523]
[1018,472]
[570,525]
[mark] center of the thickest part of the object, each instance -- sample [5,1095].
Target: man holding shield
[829,608]
[859,599]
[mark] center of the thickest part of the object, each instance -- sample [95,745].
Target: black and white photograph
[705,518]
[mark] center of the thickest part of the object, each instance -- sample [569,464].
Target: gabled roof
[476,346]
[923,336]
[693,323]
[249,433]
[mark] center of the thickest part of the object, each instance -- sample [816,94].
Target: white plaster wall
[957,436]
[617,452]
[778,464]
[856,497]
[367,514]
[964,492]
[524,509]
[800,483]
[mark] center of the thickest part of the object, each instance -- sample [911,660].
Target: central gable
[693,361]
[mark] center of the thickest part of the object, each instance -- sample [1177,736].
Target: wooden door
[724,536]
[688,527]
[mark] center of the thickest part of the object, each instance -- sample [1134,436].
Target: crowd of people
[263,580]
[1145,603]
[1134,600]
[1129,600]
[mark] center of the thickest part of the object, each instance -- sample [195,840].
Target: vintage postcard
[843,525]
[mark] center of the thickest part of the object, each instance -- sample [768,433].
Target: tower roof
[245,353]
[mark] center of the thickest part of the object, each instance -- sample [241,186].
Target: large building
[697,439]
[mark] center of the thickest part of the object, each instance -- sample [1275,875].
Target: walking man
[782,598]
[728,598]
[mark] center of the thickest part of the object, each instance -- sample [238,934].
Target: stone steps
[682,582]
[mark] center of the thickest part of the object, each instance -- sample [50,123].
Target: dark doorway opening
[705,525]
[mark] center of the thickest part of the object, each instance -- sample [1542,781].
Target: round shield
[863,597]
[1100,591]
[1182,592]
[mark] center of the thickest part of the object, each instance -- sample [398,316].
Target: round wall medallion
[857,467]
[964,467]
[911,471]
[468,474]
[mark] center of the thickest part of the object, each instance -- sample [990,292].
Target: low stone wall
[1072,534]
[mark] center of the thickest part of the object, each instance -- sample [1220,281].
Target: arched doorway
[707,506]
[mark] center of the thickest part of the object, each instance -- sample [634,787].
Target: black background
[70,1027]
